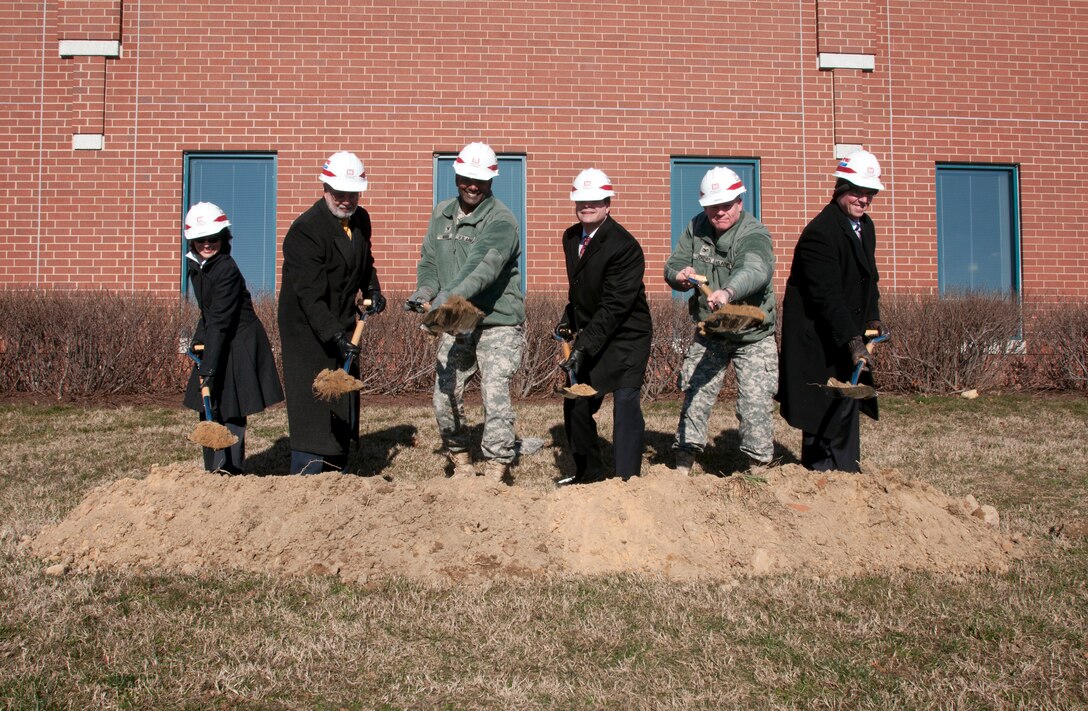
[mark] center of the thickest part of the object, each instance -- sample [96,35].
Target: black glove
[421,296]
[437,301]
[575,362]
[875,326]
[857,349]
[196,347]
[208,381]
[563,332]
[344,344]
[377,303]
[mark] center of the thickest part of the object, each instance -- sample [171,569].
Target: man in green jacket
[472,250]
[733,251]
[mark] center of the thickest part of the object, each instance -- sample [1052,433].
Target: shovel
[332,383]
[575,389]
[838,389]
[457,315]
[209,433]
[730,318]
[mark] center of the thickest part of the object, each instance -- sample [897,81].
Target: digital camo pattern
[701,378]
[496,352]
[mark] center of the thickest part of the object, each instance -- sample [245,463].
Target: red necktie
[583,244]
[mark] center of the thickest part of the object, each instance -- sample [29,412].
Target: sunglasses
[206,240]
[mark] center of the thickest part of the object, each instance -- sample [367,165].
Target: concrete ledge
[88,141]
[864,62]
[844,149]
[90,48]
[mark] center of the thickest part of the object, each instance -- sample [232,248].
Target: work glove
[420,297]
[563,332]
[345,346]
[377,303]
[442,297]
[875,326]
[574,363]
[856,346]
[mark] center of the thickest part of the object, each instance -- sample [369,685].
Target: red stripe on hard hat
[843,168]
[462,160]
[735,185]
[326,171]
[221,218]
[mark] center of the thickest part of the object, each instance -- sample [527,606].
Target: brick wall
[622,86]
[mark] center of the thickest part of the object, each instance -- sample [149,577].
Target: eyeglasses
[206,240]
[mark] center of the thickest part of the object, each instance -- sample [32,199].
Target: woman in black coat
[831,300]
[236,360]
[608,311]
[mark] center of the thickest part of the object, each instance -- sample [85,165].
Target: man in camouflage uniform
[733,250]
[472,250]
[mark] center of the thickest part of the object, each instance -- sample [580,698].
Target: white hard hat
[862,169]
[592,184]
[720,185]
[343,171]
[205,219]
[476,161]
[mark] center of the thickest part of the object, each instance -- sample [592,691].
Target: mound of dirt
[662,523]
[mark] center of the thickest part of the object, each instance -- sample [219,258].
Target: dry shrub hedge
[90,343]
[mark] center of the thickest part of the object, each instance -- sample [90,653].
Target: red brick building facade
[104,99]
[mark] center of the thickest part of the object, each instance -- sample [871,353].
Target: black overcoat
[830,295]
[607,306]
[234,339]
[322,273]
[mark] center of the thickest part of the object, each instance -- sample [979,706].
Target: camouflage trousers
[496,353]
[701,377]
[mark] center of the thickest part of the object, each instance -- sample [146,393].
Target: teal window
[244,185]
[978,235]
[684,177]
[508,187]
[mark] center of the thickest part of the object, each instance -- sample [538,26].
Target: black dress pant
[839,452]
[628,430]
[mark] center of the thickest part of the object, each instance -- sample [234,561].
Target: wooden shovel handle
[564,346]
[357,335]
[703,288]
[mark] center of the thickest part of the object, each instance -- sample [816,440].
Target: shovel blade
[838,389]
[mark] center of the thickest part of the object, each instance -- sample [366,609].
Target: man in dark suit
[831,300]
[609,318]
[327,261]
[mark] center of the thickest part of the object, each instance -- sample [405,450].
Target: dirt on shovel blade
[212,435]
[733,318]
[331,384]
[457,315]
[579,390]
[838,388]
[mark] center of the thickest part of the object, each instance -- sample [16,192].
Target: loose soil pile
[662,523]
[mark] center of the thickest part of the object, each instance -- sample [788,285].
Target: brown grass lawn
[231,640]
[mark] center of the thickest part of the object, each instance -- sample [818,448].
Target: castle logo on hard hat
[717,187]
[203,219]
[476,162]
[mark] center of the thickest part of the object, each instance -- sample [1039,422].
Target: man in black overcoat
[831,300]
[327,262]
[609,318]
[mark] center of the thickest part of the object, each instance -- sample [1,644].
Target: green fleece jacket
[475,257]
[741,259]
